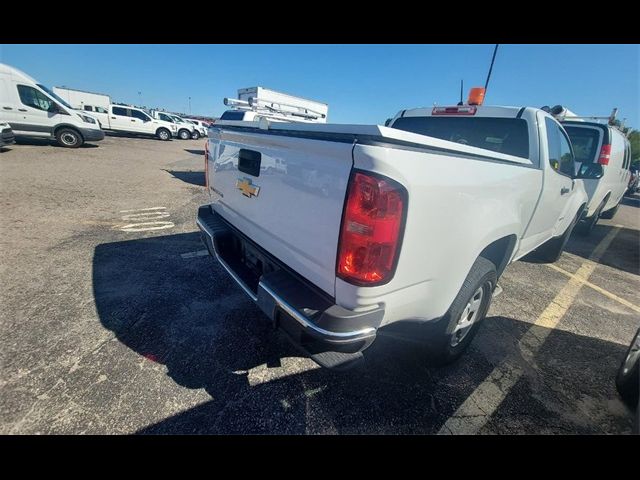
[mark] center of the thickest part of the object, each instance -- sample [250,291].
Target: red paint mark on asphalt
[152,357]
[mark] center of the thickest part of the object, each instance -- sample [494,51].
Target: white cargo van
[33,110]
[603,158]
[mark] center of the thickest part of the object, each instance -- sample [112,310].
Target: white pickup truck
[129,119]
[405,229]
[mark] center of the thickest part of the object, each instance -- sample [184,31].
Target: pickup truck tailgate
[285,193]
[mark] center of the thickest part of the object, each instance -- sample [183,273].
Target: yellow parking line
[476,410]
[601,290]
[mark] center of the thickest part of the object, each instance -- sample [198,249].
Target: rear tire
[69,138]
[163,134]
[450,336]
[628,375]
[184,134]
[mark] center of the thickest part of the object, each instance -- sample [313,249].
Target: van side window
[627,157]
[560,153]
[33,98]
[88,108]
[120,111]
[140,115]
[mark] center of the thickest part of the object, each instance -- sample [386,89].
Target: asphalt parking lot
[112,321]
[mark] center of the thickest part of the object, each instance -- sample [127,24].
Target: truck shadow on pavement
[194,152]
[194,178]
[187,314]
[47,141]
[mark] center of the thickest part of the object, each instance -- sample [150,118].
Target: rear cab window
[585,141]
[504,135]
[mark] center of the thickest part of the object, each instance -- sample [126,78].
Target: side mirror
[590,171]
[53,108]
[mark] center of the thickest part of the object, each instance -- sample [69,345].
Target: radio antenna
[461,88]
[495,50]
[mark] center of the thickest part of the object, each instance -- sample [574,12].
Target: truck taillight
[206,164]
[371,230]
[605,155]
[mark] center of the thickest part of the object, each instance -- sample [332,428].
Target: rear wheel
[69,138]
[628,374]
[451,335]
[184,134]
[163,134]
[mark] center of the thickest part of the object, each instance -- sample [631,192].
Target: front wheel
[69,138]
[195,135]
[451,335]
[184,134]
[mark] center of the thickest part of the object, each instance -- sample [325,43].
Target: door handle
[113,118]
[133,119]
[7,108]
[22,109]
[564,191]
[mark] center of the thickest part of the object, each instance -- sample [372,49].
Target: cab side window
[33,98]
[140,115]
[120,111]
[560,154]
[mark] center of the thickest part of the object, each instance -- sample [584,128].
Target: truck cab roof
[463,110]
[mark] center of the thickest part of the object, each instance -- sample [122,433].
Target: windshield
[55,96]
[177,119]
[585,143]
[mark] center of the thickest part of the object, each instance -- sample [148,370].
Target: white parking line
[601,290]
[146,226]
[477,409]
[143,209]
[199,253]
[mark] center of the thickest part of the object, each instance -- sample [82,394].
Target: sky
[361,83]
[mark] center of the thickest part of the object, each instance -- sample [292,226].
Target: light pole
[189,105]
[140,98]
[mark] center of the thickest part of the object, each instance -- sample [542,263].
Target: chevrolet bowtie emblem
[247,188]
